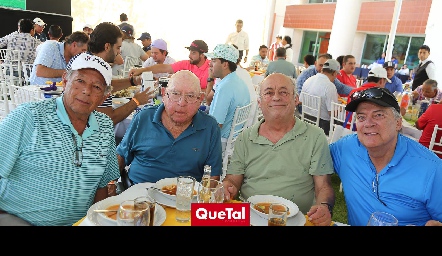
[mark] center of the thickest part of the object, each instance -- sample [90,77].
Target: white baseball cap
[87,60]
[39,22]
[380,72]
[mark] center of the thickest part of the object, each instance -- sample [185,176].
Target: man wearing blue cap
[146,41]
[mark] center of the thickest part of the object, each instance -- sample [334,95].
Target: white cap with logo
[87,60]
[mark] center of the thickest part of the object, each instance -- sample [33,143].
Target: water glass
[151,202]
[210,191]
[278,214]
[382,219]
[184,195]
[133,214]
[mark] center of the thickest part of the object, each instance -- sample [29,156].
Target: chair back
[311,108]
[436,140]
[238,125]
[21,94]
[338,116]
[4,92]
[27,70]
[129,63]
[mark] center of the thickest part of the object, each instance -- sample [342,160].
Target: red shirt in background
[346,79]
[427,121]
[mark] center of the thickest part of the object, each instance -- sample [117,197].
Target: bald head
[185,78]
[277,78]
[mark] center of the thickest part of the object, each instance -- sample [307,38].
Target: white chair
[337,118]
[129,63]
[27,69]
[311,105]
[238,125]
[434,141]
[21,94]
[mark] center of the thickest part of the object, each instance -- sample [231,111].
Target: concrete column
[433,38]
[344,27]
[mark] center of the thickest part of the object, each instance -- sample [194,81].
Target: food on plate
[171,189]
[264,207]
[113,211]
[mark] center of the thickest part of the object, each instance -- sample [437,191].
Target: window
[315,43]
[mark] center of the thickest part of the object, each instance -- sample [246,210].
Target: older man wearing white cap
[39,25]
[56,142]
[322,85]
[159,55]
[231,91]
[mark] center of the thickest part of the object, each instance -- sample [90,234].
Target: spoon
[97,210]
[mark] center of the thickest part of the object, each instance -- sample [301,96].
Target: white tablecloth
[410,131]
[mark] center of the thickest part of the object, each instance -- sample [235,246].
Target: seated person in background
[88,29]
[322,85]
[280,65]
[395,62]
[309,60]
[395,84]
[426,122]
[340,59]
[52,58]
[259,60]
[129,49]
[159,55]
[231,91]
[381,60]
[377,77]
[283,156]
[197,63]
[428,90]
[173,138]
[37,179]
[385,170]
[404,70]
[346,73]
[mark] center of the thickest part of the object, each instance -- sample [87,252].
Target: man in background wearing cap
[395,84]
[377,77]
[322,85]
[88,29]
[159,55]
[231,91]
[384,170]
[50,63]
[56,142]
[129,49]
[39,25]
[146,41]
[197,63]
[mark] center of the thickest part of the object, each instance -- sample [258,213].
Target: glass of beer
[151,202]
[278,214]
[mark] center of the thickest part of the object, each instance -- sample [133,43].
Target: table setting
[165,213]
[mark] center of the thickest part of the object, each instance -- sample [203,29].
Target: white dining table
[410,130]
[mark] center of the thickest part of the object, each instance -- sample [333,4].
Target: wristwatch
[330,208]
[210,79]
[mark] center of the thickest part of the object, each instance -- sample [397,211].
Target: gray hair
[432,83]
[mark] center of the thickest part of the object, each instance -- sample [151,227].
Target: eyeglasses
[176,96]
[78,153]
[375,186]
[372,93]
[270,94]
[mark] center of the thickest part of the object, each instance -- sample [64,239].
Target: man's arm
[123,83]
[342,89]
[232,184]
[43,71]
[119,114]
[320,214]
[158,68]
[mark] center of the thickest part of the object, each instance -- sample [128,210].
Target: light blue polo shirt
[51,55]
[231,92]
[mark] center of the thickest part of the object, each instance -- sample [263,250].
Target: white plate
[293,208]
[170,181]
[118,102]
[163,200]
[297,220]
[98,219]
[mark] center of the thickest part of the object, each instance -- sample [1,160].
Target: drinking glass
[210,191]
[151,202]
[184,195]
[278,214]
[133,214]
[382,219]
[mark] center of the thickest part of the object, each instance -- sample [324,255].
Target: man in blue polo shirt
[172,139]
[395,84]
